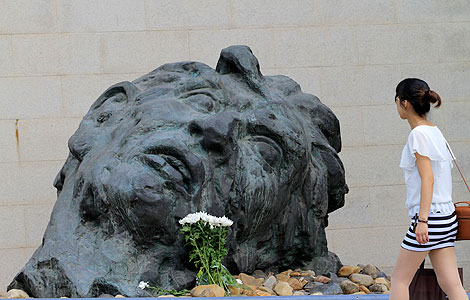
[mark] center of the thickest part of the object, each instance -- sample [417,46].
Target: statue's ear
[127,89]
[239,59]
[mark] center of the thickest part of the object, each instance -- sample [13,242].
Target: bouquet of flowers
[206,236]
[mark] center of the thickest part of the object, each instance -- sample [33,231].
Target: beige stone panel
[396,44]
[351,120]
[46,139]
[11,261]
[81,91]
[369,245]
[359,85]
[30,97]
[79,53]
[12,226]
[36,54]
[103,15]
[307,78]
[455,119]
[36,220]
[460,150]
[266,13]
[371,207]
[449,80]
[354,12]
[27,16]
[206,45]
[459,190]
[316,46]
[8,148]
[431,11]
[453,41]
[356,203]
[6,68]
[28,182]
[372,165]
[56,54]
[280,47]
[187,14]
[383,125]
[125,52]
[461,251]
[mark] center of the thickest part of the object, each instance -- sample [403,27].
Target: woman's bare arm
[427,180]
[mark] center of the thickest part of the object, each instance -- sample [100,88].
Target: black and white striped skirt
[442,229]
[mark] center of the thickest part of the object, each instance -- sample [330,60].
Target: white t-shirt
[428,141]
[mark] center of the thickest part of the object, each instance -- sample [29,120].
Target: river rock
[370,270]
[346,271]
[270,282]
[296,284]
[211,290]
[262,293]
[322,279]
[105,296]
[16,294]
[259,274]
[363,279]
[235,291]
[267,290]
[119,296]
[384,281]
[378,288]
[282,288]
[299,293]
[282,277]
[326,289]
[364,289]
[287,272]
[349,287]
[248,280]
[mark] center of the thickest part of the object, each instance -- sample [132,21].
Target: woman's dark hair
[418,93]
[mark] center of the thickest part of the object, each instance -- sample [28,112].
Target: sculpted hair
[418,93]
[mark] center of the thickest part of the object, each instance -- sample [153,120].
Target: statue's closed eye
[269,150]
[201,102]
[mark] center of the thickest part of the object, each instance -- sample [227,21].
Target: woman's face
[401,109]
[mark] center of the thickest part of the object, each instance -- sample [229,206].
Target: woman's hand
[422,233]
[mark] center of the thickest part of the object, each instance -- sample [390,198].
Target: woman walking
[427,164]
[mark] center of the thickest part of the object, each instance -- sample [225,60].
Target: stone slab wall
[57,56]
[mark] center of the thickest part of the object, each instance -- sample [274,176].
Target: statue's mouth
[178,167]
[171,168]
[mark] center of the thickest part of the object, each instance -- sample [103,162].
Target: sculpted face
[229,141]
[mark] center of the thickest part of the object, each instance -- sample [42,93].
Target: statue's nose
[216,132]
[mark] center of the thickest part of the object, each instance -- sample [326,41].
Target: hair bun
[432,97]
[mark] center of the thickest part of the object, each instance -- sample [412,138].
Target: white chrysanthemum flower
[226,221]
[218,222]
[190,219]
[204,216]
[143,285]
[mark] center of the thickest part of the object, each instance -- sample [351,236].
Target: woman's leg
[444,264]
[405,268]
